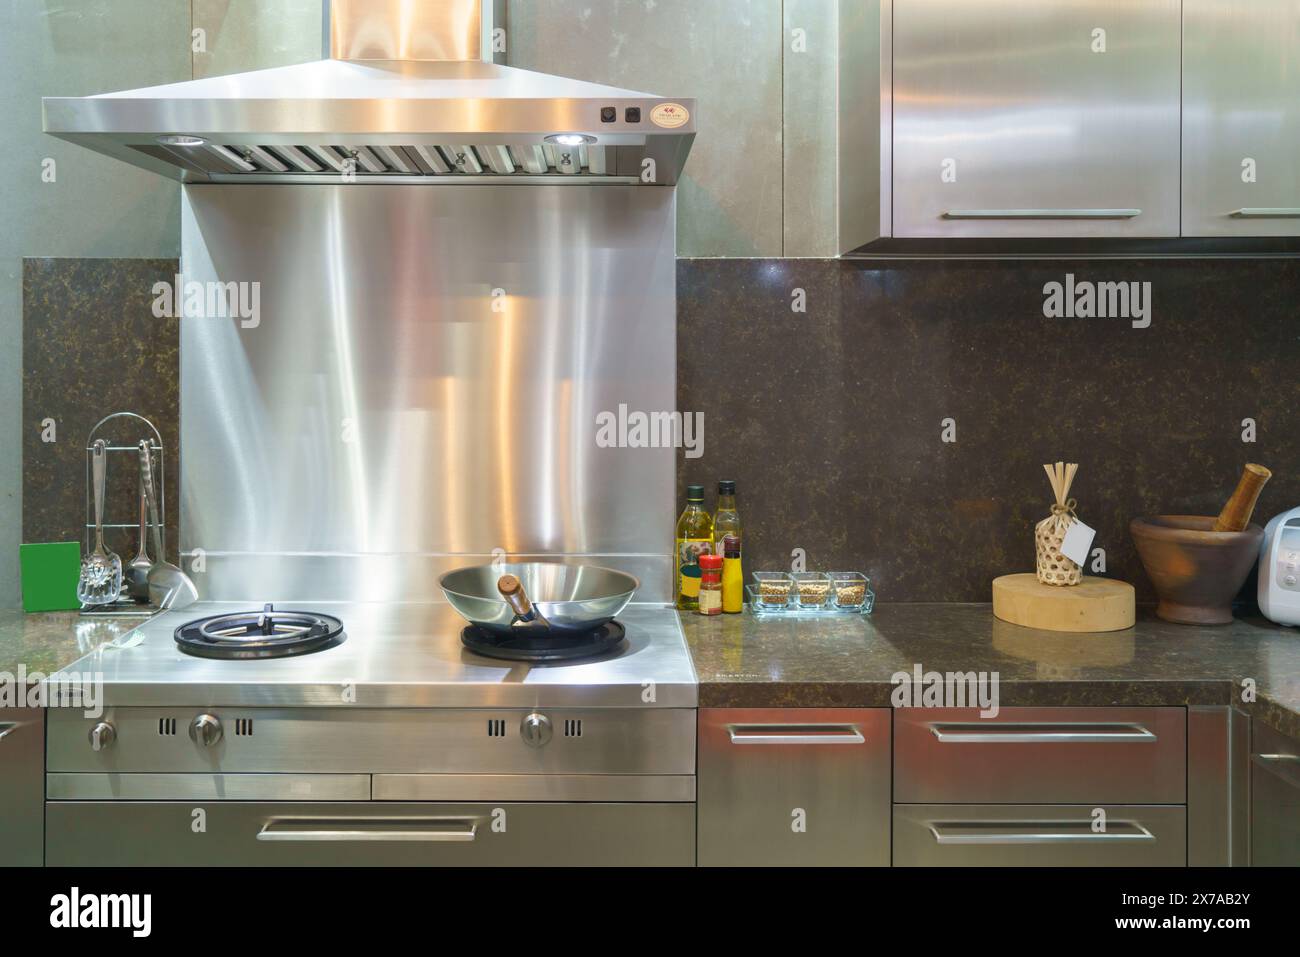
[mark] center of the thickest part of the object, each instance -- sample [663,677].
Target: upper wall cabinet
[1241,118]
[1046,118]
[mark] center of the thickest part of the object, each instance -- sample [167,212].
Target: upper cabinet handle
[977,733]
[1042,213]
[1266,212]
[7,728]
[795,734]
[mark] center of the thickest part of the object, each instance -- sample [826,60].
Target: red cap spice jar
[711,584]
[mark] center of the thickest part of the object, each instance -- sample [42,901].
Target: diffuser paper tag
[1078,542]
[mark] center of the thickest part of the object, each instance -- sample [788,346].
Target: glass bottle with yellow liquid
[694,538]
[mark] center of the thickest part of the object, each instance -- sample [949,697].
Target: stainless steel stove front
[366,786]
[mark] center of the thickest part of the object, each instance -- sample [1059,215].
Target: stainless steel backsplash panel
[379,420]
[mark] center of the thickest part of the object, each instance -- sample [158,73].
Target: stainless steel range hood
[408,95]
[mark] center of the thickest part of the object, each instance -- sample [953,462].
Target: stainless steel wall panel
[835,110]
[423,380]
[1013,102]
[727,55]
[1241,117]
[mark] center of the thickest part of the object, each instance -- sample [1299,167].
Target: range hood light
[181,139]
[570,139]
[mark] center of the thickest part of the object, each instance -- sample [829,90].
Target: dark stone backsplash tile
[92,346]
[830,420]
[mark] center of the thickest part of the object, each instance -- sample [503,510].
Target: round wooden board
[1095,604]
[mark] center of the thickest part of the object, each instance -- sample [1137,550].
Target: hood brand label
[670,115]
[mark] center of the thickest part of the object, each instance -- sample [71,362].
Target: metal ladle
[169,587]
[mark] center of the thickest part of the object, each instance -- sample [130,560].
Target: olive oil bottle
[694,538]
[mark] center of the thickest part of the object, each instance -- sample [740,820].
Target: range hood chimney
[408,94]
[405,30]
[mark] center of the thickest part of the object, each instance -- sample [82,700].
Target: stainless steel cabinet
[1042,835]
[1051,118]
[1041,756]
[1274,799]
[22,777]
[1241,118]
[799,787]
[181,833]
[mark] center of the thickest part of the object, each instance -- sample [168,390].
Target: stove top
[394,655]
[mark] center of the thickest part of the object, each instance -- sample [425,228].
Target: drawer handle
[795,734]
[7,728]
[1042,213]
[1037,832]
[442,830]
[1266,212]
[1283,766]
[976,733]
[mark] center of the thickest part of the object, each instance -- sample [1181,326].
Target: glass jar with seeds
[847,589]
[773,588]
[811,589]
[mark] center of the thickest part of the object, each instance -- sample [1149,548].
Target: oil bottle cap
[695,493]
[727,487]
[730,546]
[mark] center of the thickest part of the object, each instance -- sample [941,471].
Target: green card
[50,571]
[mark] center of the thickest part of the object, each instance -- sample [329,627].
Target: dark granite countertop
[747,662]
[47,641]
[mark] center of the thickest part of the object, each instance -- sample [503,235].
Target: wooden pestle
[1236,514]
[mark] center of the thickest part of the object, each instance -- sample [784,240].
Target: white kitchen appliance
[1279,569]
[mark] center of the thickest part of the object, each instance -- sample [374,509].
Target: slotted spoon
[101,570]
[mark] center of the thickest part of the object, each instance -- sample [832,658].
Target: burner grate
[254,634]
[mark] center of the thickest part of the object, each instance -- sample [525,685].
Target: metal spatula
[101,570]
[169,587]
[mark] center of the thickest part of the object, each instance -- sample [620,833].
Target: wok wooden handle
[1236,514]
[512,590]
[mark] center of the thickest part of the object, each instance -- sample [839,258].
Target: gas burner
[259,634]
[543,648]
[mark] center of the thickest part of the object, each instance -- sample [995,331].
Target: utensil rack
[125,607]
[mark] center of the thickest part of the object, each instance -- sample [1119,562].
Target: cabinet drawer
[1041,756]
[22,777]
[157,834]
[1274,799]
[962,835]
[794,787]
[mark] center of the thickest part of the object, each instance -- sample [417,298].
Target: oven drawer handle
[7,728]
[1042,213]
[1266,212]
[1036,832]
[795,734]
[1286,767]
[976,733]
[440,830]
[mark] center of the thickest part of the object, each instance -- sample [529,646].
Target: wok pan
[571,599]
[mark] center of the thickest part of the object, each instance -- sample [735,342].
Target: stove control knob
[205,730]
[535,730]
[102,736]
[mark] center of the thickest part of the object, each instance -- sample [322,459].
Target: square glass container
[811,589]
[773,589]
[848,590]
